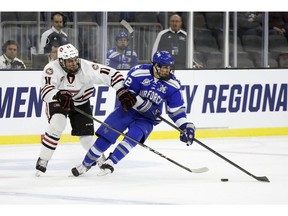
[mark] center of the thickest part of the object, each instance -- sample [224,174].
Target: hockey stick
[127,26]
[197,170]
[259,178]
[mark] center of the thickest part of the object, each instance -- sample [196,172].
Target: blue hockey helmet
[121,35]
[163,58]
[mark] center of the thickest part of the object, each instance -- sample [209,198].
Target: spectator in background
[278,23]
[39,61]
[249,23]
[174,41]
[121,56]
[55,33]
[128,16]
[8,59]
[53,52]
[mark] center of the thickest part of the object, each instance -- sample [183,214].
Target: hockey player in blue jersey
[152,84]
[121,56]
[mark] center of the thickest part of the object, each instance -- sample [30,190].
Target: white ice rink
[146,179]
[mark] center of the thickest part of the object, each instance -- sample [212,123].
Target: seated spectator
[55,33]
[39,61]
[249,23]
[53,51]
[121,57]
[8,59]
[278,23]
[54,38]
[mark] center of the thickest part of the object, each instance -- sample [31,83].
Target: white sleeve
[103,74]
[2,62]
[49,84]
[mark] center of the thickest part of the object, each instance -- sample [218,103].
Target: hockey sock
[52,136]
[100,146]
[49,145]
[122,149]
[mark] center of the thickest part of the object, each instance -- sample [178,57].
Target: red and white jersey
[81,86]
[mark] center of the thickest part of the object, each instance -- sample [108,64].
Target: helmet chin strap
[69,72]
[157,72]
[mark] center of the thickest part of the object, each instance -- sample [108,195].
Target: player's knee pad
[57,125]
[87,141]
[102,144]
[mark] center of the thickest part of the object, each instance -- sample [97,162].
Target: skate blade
[38,173]
[104,172]
[71,175]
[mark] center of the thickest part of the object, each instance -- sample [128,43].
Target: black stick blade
[262,178]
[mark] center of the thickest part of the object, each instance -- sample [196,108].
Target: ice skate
[106,168]
[101,160]
[79,170]
[41,167]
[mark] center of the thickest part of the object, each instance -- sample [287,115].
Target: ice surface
[144,178]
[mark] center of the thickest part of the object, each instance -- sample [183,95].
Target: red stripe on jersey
[105,70]
[47,88]
[88,94]
[119,76]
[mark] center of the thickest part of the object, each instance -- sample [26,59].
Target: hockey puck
[224,179]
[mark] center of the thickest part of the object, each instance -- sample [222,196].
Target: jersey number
[128,81]
[48,80]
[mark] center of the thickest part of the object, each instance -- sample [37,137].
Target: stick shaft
[263,178]
[124,135]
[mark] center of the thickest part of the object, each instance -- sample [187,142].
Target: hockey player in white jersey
[68,82]
[152,84]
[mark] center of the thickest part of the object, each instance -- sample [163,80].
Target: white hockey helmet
[68,51]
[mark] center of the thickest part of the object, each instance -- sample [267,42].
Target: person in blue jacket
[121,56]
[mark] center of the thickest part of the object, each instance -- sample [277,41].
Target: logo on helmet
[163,59]
[65,52]
[121,35]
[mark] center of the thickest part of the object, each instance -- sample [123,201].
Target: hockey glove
[188,133]
[126,98]
[149,110]
[65,99]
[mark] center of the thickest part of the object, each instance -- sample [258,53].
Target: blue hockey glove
[149,110]
[189,133]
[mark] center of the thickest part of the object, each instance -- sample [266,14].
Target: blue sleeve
[176,106]
[131,82]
